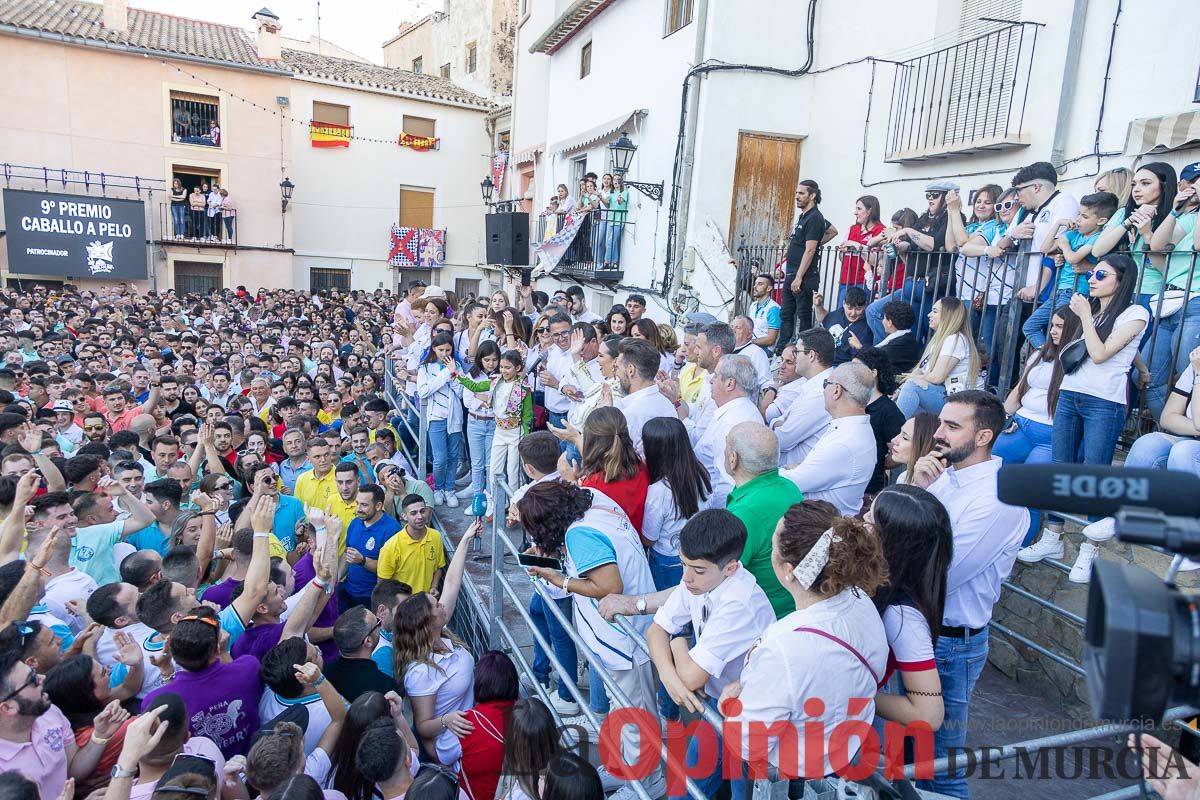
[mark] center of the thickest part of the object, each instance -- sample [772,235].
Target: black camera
[1142,636]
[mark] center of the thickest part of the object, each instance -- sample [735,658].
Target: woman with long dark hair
[679,484]
[913,442]
[1151,200]
[914,529]
[496,690]
[618,321]
[481,420]
[532,742]
[441,395]
[610,463]
[1093,397]
[857,259]
[1031,403]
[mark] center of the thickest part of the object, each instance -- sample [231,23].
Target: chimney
[269,43]
[116,15]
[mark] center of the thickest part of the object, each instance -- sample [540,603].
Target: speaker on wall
[508,238]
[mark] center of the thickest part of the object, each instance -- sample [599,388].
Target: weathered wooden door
[764,189]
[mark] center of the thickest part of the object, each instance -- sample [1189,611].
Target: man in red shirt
[120,411]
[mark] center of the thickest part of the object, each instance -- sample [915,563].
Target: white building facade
[347,198]
[889,97]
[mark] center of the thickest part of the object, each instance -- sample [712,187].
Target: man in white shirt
[556,364]
[1042,205]
[637,366]
[114,605]
[961,473]
[734,383]
[743,333]
[801,425]
[840,466]
[578,306]
[765,312]
[777,398]
[712,343]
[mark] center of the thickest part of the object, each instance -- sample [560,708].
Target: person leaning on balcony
[196,203]
[179,204]
[228,213]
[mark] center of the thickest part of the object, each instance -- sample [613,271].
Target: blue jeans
[1030,443]
[959,664]
[1085,427]
[914,398]
[708,785]
[1162,451]
[667,572]
[597,696]
[198,224]
[612,248]
[178,220]
[913,292]
[479,441]
[446,450]
[229,227]
[1039,321]
[1180,330]
[560,641]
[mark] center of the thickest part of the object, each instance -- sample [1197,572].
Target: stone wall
[1051,630]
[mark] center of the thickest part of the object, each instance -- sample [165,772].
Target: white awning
[599,133]
[528,154]
[1159,134]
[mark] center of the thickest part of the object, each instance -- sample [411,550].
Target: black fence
[197,227]
[991,287]
[594,242]
[967,96]
[195,121]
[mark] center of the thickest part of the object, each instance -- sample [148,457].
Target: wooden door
[764,189]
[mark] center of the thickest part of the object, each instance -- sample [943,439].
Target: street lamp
[285,190]
[486,188]
[621,152]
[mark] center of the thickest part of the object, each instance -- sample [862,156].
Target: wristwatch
[641,604]
[120,772]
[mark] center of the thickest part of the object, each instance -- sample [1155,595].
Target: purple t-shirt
[257,641]
[221,702]
[305,572]
[221,593]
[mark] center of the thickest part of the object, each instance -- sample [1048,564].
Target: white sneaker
[582,721]
[1081,572]
[1189,566]
[565,708]
[1101,530]
[451,499]
[655,786]
[439,497]
[465,492]
[1049,546]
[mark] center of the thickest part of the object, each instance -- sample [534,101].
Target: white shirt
[710,450]
[761,315]
[441,395]
[700,412]
[784,397]
[558,364]
[727,621]
[804,421]
[1108,380]
[987,535]
[517,494]
[1061,206]
[758,357]
[71,585]
[641,406]
[789,667]
[587,316]
[271,705]
[661,522]
[954,347]
[839,468]
[452,684]
[1035,402]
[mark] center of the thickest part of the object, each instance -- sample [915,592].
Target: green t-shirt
[1152,277]
[1181,266]
[760,503]
[92,551]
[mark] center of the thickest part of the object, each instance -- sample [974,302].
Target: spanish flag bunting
[327,134]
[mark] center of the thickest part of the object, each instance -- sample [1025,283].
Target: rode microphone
[1100,491]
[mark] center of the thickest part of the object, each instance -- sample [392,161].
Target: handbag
[1168,301]
[1073,356]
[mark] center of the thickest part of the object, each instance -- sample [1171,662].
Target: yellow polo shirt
[345,511]
[412,562]
[316,493]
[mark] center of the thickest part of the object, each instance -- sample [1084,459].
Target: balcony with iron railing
[183,225]
[962,99]
[594,253]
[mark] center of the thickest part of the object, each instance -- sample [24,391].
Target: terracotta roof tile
[377,77]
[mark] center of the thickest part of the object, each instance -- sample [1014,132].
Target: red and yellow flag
[327,134]
[418,143]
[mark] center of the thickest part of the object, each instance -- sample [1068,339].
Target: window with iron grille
[472,57]
[679,14]
[195,119]
[197,277]
[322,279]
[585,60]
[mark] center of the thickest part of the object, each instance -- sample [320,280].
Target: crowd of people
[222,573]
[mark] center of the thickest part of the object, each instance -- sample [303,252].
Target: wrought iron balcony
[594,253]
[197,228]
[962,99]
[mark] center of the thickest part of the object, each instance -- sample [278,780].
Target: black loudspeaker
[508,239]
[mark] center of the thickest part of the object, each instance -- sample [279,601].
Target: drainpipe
[689,145]
[1066,94]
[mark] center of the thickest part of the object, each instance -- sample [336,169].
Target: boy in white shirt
[727,610]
